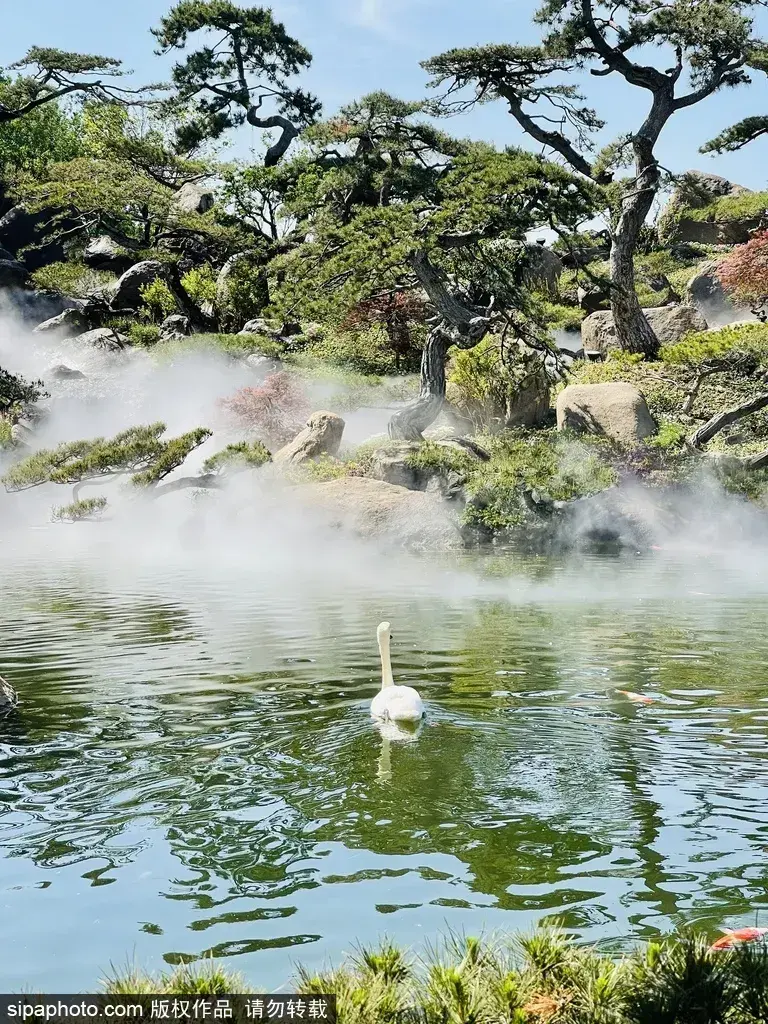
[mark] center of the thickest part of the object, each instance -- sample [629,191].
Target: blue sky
[361,45]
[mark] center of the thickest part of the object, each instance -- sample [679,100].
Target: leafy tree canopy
[381,191]
[247,59]
[706,44]
[48,75]
[43,136]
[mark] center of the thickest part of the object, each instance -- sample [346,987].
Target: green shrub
[670,435]
[552,462]
[366,351]
[6,440]
[245,293]
[158,301]
[544,978]
[200,284]
[745,206]
[559,317]
[144,335]
[486,378]
[696,348]
[71,279]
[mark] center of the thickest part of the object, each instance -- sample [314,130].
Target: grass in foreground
[543,978]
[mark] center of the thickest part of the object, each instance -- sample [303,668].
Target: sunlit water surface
[193,769]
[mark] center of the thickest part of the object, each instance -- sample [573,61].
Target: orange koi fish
[636,698]
[732,938]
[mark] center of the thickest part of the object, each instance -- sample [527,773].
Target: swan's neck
[386,665]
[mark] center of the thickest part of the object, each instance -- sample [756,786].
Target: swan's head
[383,633]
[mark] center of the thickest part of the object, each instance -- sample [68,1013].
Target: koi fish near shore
[738,936]
[636,698]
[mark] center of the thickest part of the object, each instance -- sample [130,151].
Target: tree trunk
[410,423]
[633,332]
[460,325]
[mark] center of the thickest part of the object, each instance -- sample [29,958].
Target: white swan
[394,703]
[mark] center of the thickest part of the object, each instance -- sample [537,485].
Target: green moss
[446,458]
[704,345]
[746,206]
[556,463]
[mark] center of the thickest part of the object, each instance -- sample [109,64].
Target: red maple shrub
[397,313]
[744,271]
[276,409]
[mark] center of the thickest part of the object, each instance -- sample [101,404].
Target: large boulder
[394,464]
[262,327]
[105,338]
[686,218]
[380,511]
[70,322]
[670,323]
[127,294]
[104,253]
[616,410]
[32,307]
[193,198]
[543,268]
[321,436]
[12,274]
[62,372]
[175,327]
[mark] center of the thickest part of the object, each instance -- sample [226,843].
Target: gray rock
[263,327]
[66,324]
[21,230]
[393,516]
[106,339]
[6,255]
[592,299]
[193,198]
[127,294]
[321,436]
[391,464]
[616,410]
[175,327]
[8,697]
[263,364]
[695,191]
[21,435]
[12,274]
[62,372]
[104,253]
[671,324]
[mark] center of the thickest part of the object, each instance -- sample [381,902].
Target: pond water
[193,769]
